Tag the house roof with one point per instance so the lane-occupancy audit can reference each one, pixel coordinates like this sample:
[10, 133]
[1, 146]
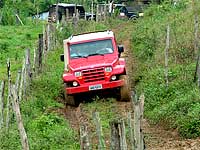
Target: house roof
[66, 5]
[90, 36]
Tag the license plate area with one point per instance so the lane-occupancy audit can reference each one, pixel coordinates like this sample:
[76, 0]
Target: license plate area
[95, 87]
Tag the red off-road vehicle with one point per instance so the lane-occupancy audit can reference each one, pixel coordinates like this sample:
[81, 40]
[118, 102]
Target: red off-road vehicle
[92, 62]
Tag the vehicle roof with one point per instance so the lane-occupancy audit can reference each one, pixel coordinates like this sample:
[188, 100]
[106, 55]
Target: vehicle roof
[90, 36]
[66, 5]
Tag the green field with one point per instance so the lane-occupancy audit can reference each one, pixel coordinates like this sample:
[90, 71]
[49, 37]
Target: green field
[14, 40]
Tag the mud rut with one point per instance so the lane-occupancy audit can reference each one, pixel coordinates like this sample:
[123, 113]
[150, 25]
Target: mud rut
[156, 137]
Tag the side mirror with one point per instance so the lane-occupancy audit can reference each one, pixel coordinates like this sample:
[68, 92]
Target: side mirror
[120, 48]
[62, 57]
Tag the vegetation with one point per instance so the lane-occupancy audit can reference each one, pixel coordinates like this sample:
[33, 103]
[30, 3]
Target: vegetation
[14, 41]
[177, 105]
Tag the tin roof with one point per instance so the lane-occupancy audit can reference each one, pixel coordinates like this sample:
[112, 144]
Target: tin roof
[66, 5]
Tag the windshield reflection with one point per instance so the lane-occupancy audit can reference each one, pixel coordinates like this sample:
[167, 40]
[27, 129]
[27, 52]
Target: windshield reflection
[93, 48]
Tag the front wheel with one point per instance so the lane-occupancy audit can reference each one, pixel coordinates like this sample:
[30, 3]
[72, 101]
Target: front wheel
[69, 99]
[124, 91]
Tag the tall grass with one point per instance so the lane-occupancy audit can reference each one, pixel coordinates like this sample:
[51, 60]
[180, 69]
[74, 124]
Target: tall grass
[177, 105]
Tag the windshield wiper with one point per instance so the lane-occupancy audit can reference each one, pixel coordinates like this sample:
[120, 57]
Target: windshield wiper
[95, 54]
[79, 56]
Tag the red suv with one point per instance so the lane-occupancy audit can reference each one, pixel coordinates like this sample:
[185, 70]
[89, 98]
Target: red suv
[92, 62]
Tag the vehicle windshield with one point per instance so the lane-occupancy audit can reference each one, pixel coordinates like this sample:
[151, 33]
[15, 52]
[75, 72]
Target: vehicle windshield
[82, 50]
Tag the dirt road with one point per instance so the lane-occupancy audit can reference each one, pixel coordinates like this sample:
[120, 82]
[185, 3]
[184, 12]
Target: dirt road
[156, 137]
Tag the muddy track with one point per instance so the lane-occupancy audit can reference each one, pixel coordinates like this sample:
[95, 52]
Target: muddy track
[156, 137]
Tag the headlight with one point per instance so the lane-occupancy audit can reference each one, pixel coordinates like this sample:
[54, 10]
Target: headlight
[75, 83]
[78, 74]
[113, 78]
[108, 69]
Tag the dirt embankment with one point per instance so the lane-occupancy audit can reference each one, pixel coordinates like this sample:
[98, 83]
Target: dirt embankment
[156, 137]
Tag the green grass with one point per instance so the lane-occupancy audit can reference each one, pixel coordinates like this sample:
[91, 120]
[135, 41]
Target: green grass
[46, 129]
[175, 106]
[14, 40]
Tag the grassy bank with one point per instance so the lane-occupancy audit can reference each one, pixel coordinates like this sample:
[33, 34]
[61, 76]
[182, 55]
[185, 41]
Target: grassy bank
[14, 41]
[178, 105]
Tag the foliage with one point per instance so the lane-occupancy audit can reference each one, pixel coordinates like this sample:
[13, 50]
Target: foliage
[175, 106]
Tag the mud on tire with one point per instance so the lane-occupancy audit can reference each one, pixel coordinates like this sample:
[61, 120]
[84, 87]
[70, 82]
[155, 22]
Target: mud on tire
[69, 99]
[124, 91]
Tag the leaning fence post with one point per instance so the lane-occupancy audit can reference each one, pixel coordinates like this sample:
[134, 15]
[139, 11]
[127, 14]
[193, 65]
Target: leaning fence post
[101, 145]
[16, 108]
[85, 145]
[2, 103]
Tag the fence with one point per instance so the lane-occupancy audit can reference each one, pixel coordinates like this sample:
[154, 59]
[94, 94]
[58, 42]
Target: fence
[17, 92]
[118, 139]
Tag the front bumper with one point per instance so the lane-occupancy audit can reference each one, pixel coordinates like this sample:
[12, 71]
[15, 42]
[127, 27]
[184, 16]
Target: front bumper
[85, 88]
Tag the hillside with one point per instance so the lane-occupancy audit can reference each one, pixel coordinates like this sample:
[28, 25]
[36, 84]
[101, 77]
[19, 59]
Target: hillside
[177, 105]
[14, 41]
[172, 113]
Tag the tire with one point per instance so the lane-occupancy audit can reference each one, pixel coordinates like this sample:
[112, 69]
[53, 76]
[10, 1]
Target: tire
[124, 91]
[69, 99]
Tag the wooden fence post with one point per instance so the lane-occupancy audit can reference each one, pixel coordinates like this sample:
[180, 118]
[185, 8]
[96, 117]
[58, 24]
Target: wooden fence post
[9, 96]
[44, 42]
[92, 17]
[48, 37]
[166, 56]
[97, 13]
[21, 88]
[85, 145]
[130, 127]
[28, 68]
[196, 20]
[115, 141]
[40, 52]
[101, 145]
[17, 83]
[2, 103]
[23, 136]
[105, 11]
[74, 21]
[138, 106]
[122, 132]
[118, 135]
[141, 104]
[67, 15]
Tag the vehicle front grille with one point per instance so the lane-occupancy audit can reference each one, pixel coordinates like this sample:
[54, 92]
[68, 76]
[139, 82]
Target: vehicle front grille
[92, 75]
